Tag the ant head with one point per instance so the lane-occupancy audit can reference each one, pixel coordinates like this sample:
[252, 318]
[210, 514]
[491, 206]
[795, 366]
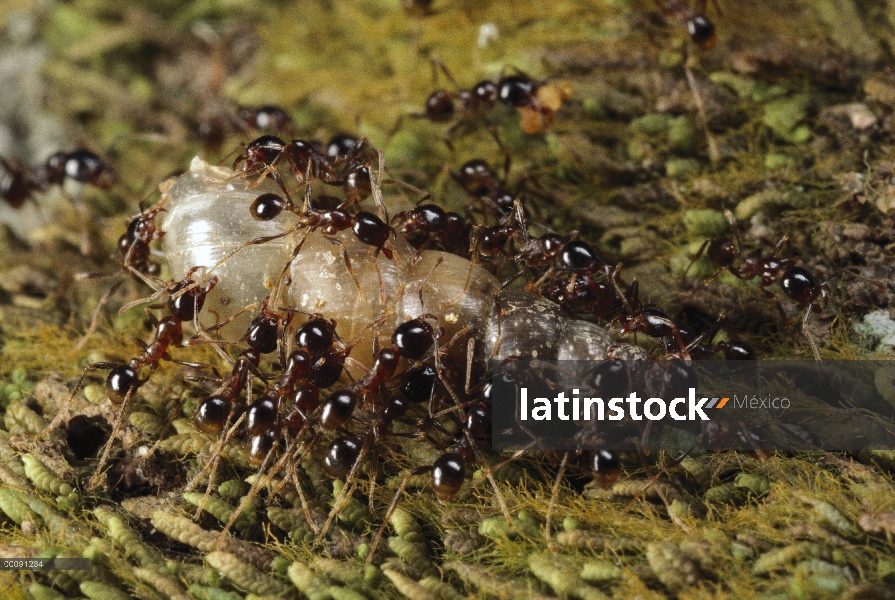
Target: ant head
[171, 328]
[260, 151]
[736, 350]
[476, 176]
[266, 118]
[723, 252]
[485, 92]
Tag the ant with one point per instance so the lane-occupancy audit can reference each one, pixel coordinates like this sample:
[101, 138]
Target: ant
[21, 182]
[133, 249]
[450, 229]
[123, 380]
[351, 171]
[797, 283]
[479, 181]
[246, 120]
[700, 29]
[700, 346]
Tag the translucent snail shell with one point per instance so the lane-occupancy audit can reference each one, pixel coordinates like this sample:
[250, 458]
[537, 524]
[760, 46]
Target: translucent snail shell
[207, 219]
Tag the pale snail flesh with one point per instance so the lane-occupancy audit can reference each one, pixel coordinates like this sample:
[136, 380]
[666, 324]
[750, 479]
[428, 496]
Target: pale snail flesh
[207, 218]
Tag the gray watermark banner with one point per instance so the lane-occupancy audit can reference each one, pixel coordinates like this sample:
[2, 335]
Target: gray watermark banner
[712, 405]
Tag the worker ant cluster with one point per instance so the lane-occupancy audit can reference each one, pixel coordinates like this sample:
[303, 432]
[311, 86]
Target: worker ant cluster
[294, 392]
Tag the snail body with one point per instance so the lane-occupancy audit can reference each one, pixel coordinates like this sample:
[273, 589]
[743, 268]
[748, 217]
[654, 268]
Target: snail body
[207, 225]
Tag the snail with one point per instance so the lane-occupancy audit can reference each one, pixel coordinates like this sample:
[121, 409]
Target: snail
[208, 224]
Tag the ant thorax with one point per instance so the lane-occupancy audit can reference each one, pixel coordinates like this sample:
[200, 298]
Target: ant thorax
[208, 225]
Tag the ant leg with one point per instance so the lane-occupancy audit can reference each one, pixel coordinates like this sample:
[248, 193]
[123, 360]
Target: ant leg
[227, 432]
[348, 264]
[94, 320]
[393, 506]
[556, 485]
[344, 495]
[714, 153]
[792, 333]
[116, 429]
[696, 257]
[807, 333]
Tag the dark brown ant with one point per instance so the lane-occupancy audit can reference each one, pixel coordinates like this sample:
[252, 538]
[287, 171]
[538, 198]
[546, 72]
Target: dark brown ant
[797, 283]
[133, 249]
[80, 165]
[700, 29]
[352, 171]
[264, 118]
[124, 379]
[655, 324]
[450, 229]
[214, 411]
[417, 8]
[21, 182]
[269, 118]
[700, 346]
[480, 182]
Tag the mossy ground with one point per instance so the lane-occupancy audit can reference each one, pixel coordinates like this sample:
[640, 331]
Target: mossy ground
[798, 99]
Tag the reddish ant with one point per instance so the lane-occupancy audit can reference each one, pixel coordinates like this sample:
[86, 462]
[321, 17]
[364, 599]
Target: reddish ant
[124, 379]
[448, 228]
[246, 120]
[797, 283]
[307, 163]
